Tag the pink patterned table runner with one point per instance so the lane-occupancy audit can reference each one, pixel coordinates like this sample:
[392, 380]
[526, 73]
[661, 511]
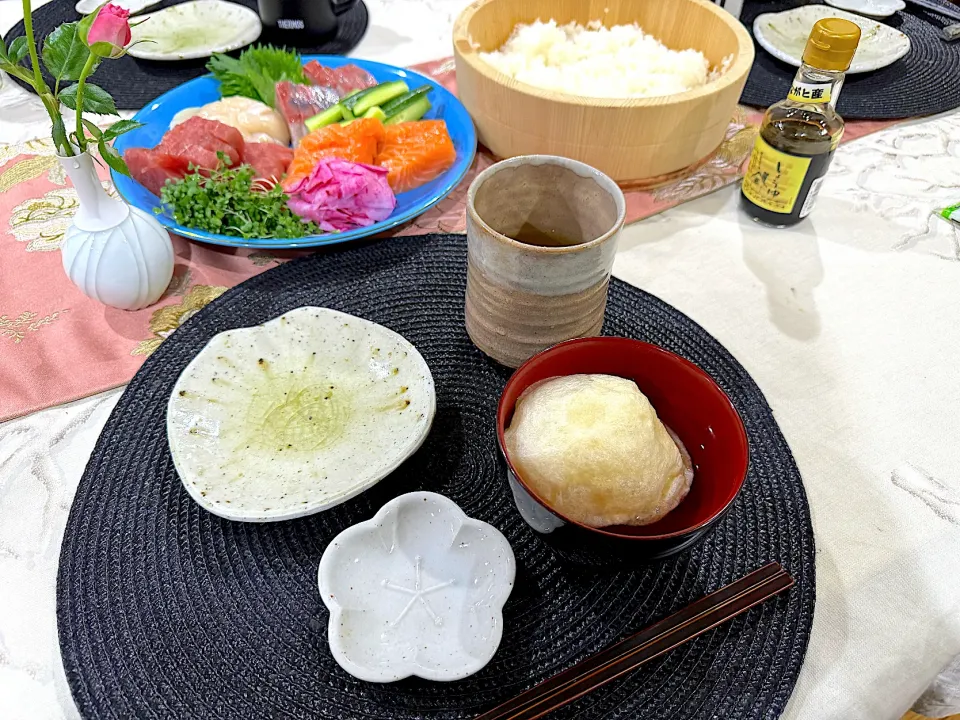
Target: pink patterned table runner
[56, 345]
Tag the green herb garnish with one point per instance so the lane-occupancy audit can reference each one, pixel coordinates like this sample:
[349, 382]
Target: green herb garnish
[257, 71]
[226, 203]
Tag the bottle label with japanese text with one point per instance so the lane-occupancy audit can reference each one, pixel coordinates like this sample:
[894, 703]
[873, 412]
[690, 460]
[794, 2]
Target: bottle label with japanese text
[774, 179]
[816, 93]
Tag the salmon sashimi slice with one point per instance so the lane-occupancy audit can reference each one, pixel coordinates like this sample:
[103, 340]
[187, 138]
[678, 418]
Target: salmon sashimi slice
[415, 153]
[359, 142]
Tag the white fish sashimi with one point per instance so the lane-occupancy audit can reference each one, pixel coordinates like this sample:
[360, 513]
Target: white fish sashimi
[192, 30]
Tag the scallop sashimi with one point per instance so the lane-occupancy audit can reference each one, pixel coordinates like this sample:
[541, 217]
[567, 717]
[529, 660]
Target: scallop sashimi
[415, 153]
[358, 142]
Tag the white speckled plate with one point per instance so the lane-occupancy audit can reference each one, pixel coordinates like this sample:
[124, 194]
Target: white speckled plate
[784, 35]
[417, 590]
[85, 7]
[297, 415]
[193, 30]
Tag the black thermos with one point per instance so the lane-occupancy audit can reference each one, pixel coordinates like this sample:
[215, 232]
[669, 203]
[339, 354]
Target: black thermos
[291, 22]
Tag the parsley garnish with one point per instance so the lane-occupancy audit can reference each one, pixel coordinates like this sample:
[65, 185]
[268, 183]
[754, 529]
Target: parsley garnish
[227, 203]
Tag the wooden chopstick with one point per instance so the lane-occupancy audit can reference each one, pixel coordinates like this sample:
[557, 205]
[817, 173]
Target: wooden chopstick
[651, 642]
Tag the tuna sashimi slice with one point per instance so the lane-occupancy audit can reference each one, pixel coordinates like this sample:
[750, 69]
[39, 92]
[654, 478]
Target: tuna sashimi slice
[152, 168]
[415, 153]
[198, 127]
[269, 160]
[199, 140]
[198, 156]
[194, 142]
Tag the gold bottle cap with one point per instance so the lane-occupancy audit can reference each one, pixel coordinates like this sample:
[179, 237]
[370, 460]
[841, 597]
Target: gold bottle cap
[831, 44]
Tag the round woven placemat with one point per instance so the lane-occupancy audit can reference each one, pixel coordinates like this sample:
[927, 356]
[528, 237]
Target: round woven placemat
[923, 82]
[133, 83]
[167, 611]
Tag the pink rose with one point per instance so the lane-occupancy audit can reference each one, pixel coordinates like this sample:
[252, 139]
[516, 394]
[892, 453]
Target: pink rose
[110, 31]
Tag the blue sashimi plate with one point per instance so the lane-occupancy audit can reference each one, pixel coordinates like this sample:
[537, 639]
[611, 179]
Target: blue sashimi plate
[157, 115]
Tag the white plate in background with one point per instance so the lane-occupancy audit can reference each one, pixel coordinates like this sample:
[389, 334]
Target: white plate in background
[192, 30]
[85, 7]
[870, 8]
[784, 35]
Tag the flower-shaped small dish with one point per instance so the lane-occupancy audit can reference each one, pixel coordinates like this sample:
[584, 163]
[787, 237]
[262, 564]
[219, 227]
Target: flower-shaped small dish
[297, 415]
[417, 590]
[784, 35]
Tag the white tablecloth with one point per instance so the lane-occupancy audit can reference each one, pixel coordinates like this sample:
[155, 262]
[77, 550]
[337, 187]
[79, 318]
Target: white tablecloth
[850, 323]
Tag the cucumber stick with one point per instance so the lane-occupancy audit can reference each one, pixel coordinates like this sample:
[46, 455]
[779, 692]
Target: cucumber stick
[375, 112]
[384, 102]
[403, 100]
[327, 117]
[414, 110]
[376, 96]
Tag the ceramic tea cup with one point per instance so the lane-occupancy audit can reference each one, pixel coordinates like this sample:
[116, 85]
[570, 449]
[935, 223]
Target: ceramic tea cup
[542, 232]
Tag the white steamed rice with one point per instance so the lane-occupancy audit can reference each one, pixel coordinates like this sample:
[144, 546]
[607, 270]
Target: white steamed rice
[595, 61]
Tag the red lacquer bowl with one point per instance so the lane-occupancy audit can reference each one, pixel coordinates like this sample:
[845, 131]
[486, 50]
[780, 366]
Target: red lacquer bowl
[688, 402]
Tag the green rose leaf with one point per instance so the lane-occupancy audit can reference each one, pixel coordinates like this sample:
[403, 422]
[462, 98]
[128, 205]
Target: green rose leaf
[64, 53]
[119, 128]
[59, 133]
[95, 99]
[92, 128]
[11, 65]
[18, 50]
[112, 158]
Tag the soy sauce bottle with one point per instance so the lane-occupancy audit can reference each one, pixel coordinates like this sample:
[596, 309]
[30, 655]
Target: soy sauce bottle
[799, 135]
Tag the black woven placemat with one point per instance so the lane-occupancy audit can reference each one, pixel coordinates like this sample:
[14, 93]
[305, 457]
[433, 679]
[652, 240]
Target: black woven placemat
[166, 611]
[923, 82]
[133, 83]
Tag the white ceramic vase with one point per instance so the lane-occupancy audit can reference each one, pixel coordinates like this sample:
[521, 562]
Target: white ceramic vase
[116, 254]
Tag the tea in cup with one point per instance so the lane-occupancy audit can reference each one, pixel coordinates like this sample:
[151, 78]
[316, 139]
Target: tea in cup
[542, 233]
